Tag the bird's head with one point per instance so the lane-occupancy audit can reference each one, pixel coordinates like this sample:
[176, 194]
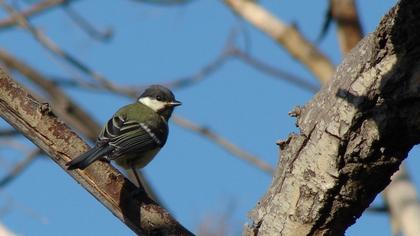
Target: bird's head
[160, 99]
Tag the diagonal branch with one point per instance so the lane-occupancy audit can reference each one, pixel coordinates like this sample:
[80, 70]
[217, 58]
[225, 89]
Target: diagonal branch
[36, 9]
[104, 182]
[224, 143]
[63, 105]
[86, 26]
[349, 29]
[287, 36]
[19, 168]
[51, 46]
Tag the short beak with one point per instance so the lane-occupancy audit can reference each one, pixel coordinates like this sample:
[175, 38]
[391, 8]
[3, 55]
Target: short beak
[175, 103]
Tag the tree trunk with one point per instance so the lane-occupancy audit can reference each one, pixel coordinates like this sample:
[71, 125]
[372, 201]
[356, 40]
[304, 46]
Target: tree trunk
[354, 135]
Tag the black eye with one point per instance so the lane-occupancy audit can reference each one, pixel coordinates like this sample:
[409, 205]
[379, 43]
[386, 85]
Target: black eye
[159, 98]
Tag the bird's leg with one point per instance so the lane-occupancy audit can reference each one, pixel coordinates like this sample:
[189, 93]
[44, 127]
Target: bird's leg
[136, 175]
[139, 191]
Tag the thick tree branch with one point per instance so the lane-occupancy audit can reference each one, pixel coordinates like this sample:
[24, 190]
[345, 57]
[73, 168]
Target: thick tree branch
[104, 182]
[287, 36]
[403, 218]
[354, 135]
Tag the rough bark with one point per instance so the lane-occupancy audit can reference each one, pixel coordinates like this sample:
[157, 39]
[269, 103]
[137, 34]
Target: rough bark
[105, 183]
[353, 135]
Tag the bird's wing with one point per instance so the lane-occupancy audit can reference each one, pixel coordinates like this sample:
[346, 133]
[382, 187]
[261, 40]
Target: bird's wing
[111, 129]
[129, 136]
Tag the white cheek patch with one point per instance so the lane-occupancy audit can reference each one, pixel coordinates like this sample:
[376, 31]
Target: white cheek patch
[152, 103]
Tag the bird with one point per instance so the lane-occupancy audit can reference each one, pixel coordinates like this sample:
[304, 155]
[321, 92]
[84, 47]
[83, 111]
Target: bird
[134, 134]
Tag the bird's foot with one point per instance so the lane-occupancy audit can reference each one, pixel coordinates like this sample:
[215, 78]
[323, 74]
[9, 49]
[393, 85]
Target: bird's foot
[138, 192]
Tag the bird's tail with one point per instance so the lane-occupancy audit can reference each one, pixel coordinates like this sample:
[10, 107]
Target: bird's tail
[87, 158]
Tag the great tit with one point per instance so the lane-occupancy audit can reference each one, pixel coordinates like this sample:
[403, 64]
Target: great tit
[135, 134]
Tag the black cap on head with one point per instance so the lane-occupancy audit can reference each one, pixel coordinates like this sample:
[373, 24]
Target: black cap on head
[159, 93]
[162, 94]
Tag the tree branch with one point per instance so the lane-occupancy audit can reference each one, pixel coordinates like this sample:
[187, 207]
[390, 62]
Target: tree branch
[224, 143]
[62, 104]
[402, 199]
[402, 218]
[104, 182]
[287, 36]
[19, 168]
[349, 29]
[36, 9]
[351, 135]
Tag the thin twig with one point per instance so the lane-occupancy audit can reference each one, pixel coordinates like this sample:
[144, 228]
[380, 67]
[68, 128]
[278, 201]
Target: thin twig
[8, 132]
[47, 43]
[275, 72]
[86, 26]
[19, 168]
[224, 143]
[36, 9]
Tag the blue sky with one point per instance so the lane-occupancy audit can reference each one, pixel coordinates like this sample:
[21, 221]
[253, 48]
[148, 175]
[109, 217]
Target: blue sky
[196, 179]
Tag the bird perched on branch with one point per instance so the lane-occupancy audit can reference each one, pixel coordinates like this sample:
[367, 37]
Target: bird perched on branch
[135, 134]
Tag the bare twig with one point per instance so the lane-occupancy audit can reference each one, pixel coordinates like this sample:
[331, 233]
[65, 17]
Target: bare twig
[137, 211]
[86, 26]
[275, 72]
[288, 36]
[19, 168]
[8, 132]
[224, 143]
[62, 104]
[36, 9]
[47, 43]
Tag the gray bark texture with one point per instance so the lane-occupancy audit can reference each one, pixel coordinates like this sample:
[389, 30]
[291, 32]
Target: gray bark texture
[353, 136]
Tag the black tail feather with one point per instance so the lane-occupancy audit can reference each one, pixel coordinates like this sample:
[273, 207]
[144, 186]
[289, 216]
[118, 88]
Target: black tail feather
[87, 158]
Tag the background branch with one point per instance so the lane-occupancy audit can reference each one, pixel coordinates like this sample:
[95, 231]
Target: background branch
[223, 143]
[349, 29]
[287, 36]
[19, 168]
[36, 9]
